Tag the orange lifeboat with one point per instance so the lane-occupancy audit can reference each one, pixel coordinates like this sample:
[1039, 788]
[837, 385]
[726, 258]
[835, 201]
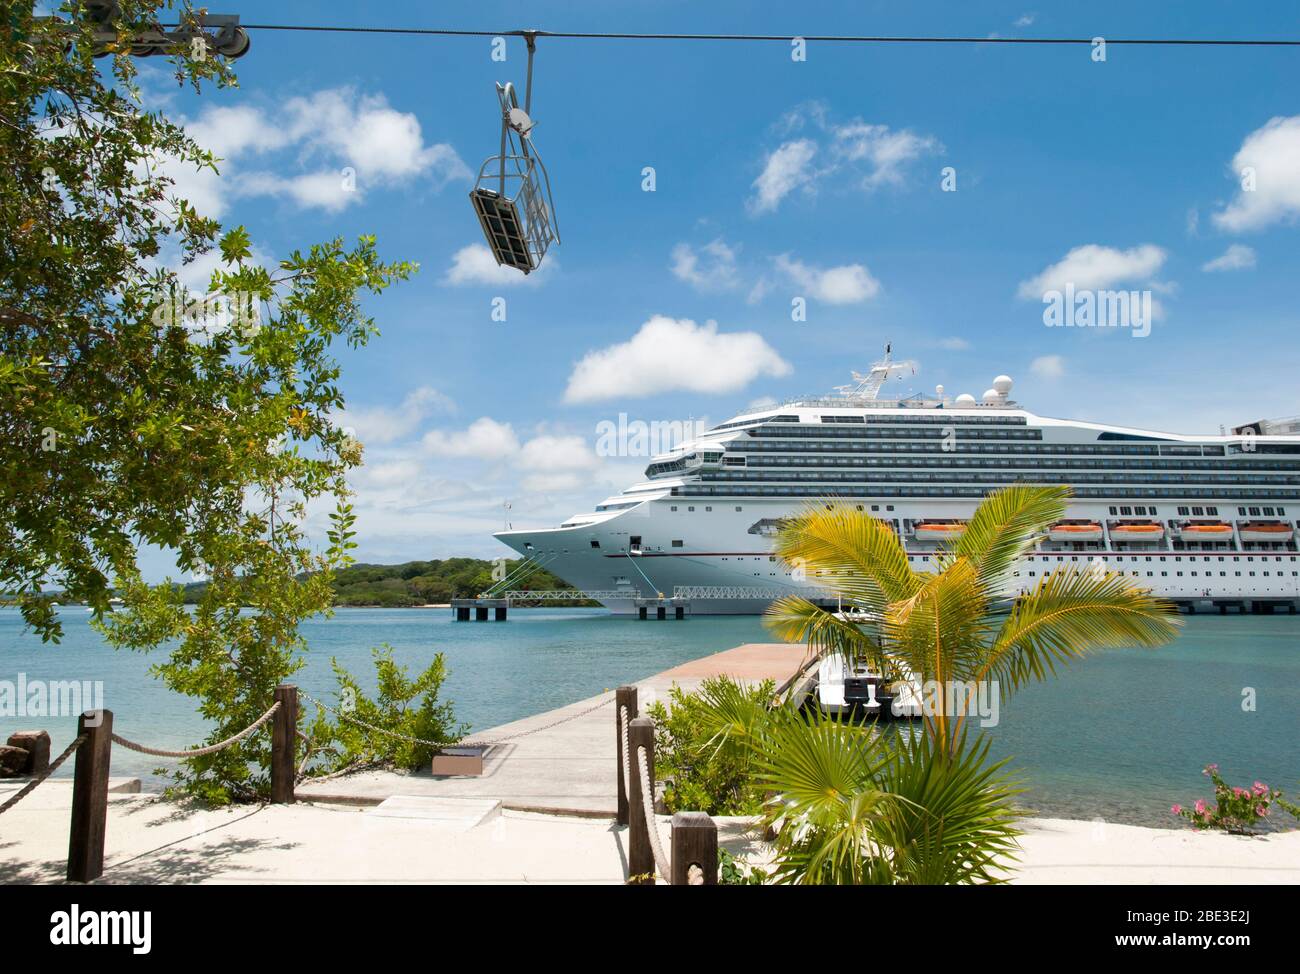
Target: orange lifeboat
[1075, 530]
[1139, 531]
[1206, 531]
[939, 530]
[1266, 531]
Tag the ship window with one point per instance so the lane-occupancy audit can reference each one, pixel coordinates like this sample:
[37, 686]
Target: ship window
[1198, 511]
[673, 508]
[690, 509]
[1241, 511]
[595, 543]
[708, 508]
[1114, 510]
[634, 541]
[1126, 510]
[1182, 510]
[1268, 512]
[738, 508]
[1254, 512]
[677, 543]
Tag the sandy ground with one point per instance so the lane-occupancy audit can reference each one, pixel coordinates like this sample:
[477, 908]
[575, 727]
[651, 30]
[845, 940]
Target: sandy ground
[151, 840]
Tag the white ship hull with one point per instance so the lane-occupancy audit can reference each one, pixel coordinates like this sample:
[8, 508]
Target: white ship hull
[701, 527]
[718, 552]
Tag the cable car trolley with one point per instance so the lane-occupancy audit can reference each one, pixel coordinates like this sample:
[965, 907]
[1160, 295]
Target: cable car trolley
[512, 195]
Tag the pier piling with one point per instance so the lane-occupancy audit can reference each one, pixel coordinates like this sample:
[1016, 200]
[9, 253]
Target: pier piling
[624, 697]
[90, 797]
[695, 850]
[284, 738]
[640, 855]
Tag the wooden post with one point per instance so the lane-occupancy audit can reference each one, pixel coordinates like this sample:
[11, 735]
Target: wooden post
[695, 843]
[90, 797]
[640, 855]
[624, 696]
[284, 740]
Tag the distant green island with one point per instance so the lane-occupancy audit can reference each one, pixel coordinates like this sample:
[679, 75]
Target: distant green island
[418, 583]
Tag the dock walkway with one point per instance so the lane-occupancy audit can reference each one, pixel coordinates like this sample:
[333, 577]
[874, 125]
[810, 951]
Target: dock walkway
[561, 761]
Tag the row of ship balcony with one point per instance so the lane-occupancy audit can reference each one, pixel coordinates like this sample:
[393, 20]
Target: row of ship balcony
[1138, 533]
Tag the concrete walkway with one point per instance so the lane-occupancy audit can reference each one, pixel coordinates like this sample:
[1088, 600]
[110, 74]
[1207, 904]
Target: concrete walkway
[151, 840]
[566, 761]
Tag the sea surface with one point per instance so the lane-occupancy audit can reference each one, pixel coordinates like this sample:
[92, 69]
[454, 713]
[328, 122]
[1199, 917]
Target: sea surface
[1119, 736]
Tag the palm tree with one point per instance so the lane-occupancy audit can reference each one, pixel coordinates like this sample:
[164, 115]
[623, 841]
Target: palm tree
[955, 626]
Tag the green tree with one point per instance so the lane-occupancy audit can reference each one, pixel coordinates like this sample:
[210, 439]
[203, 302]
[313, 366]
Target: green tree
[206, 434]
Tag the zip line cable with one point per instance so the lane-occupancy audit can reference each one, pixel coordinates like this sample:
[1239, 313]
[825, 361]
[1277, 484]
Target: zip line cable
[786, 38]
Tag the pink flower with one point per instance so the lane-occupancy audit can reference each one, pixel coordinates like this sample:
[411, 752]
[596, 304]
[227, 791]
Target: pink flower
[1210, 769]
[1200, 806]
[1261, 811]
[1261, 788]
[1177, 809]
[1239, 792]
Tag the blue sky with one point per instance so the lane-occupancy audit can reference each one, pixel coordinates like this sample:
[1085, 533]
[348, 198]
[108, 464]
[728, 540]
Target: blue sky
[775, 179]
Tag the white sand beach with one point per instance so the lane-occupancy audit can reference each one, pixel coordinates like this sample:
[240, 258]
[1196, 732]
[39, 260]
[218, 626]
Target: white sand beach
[152, 840]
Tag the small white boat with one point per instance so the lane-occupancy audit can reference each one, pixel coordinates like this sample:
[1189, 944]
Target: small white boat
[1266, 531]
[939, 530]
[844, 686]
[1202, 531]
[1139, 531]
[1075, 530]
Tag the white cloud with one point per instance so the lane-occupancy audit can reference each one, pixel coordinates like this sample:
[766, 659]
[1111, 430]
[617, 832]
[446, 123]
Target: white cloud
[1273, 153]
[786, 169]
[1048, 366]
[326, 132]
[872, 155]
[848, 284]
[669, 354]
[1092, 267]
[1025, 20]
[380, 424]
[483, 439]
[712, 267]
[474, 264]
[1237, 257]
[886, 152]
[954, 344]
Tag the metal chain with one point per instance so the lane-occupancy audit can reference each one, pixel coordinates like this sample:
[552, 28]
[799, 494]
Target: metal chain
[648, 809]
[198, 751]
[627, 767]
[440, 744]
[54, 766]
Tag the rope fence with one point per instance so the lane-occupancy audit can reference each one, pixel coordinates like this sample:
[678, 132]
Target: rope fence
[691, 856]
[37, 781]
[198, 752]
[93, 748]
[352, 719]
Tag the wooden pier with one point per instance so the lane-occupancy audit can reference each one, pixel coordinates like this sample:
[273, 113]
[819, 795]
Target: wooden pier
[564, 766]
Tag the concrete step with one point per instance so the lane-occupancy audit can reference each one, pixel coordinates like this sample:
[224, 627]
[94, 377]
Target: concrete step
[450, 814]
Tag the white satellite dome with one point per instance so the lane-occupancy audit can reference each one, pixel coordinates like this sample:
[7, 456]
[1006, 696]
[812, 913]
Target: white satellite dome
[965, 399]
[1002, 384]
[992, 395]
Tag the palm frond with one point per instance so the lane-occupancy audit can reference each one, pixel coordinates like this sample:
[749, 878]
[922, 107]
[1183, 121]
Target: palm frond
[847, 552]
[956, 822]
[1069, 614]
[797, 620]
[1007, 525]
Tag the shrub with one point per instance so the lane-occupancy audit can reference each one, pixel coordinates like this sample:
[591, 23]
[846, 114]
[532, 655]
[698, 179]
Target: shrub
[1236, 810]
[703, 751]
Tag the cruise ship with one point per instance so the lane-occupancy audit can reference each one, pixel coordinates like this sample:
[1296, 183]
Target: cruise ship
[1207, 521]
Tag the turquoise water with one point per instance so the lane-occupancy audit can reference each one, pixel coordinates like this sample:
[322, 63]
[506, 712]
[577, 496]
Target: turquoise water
[1119, 736]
